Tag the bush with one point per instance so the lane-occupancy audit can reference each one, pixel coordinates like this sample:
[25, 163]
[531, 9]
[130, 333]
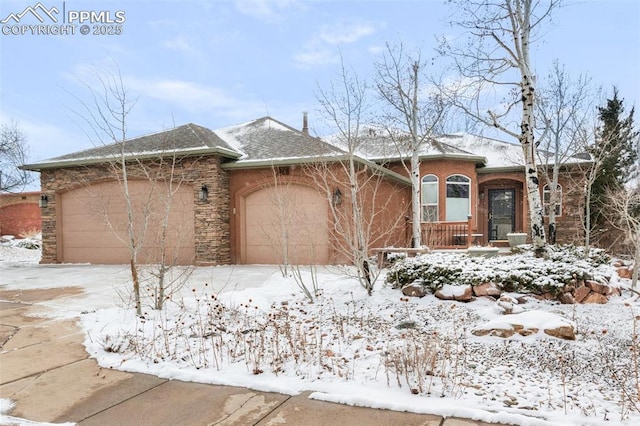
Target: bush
[519, 272]
[30, 244]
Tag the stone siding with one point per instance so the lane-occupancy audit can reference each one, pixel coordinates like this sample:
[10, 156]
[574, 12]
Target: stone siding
[212, 230]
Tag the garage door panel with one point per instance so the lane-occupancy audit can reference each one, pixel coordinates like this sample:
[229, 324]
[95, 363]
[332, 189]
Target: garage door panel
[94, 217]
[286, 221]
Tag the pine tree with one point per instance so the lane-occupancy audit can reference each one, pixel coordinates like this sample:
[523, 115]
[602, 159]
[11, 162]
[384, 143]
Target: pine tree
[618, 142]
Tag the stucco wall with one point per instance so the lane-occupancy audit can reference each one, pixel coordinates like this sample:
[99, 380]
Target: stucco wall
[389, 200]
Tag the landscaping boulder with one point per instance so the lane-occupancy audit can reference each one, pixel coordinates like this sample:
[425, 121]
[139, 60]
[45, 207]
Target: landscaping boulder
[487, 289]
[526, 324]
[594, 297]
[567, 298]
[597, 287]
[508, 305]
[461, 293]
[415, 289]
[625, 272]
[581, 293]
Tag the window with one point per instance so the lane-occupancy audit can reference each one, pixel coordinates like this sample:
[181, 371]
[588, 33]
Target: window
[430, 198]
[546, 200]
[458, 198]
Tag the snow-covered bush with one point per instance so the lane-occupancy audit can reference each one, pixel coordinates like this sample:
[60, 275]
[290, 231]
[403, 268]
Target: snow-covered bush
[521, 272]
[30, 244]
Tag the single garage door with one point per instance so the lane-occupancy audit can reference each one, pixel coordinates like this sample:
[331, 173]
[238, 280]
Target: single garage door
[94, 223]
[285, 222]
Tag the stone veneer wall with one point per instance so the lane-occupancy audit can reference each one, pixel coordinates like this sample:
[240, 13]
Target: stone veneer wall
[212, 230]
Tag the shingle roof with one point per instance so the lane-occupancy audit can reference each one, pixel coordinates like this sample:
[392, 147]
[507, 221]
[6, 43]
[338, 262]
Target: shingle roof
[269, 139]
[185, 139]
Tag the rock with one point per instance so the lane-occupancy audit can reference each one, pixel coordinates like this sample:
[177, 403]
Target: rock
[461, 293]
[624, 272]
[496, 332]
[597, 287]
[565, 332]
[594, 297]
[581, 293]
[567, 299]
[487, 289]
[508, 305]
[614, 291]
[415, 289]
[527, 324]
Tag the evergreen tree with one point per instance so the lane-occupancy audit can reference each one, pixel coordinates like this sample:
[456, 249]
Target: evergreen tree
[618, 143]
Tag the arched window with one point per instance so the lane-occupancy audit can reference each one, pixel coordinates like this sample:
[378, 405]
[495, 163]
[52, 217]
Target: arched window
[458, 198]
[430, 198]
[546, 200]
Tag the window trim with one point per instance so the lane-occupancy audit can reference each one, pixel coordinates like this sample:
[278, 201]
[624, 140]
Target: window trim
[468, 183]
[435, 183]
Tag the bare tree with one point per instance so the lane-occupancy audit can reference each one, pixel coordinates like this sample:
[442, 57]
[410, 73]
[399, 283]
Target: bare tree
[13, 154]
[564, 108]
[625, 204]
[498, 57]
[353, 186]
[412, 109]
[106, 114]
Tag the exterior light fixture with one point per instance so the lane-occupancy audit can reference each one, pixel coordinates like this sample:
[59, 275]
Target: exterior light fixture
[203, 194]
[44, 201]
[336, 198]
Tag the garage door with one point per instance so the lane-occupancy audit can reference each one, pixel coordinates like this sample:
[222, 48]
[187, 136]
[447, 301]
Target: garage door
[285, 222]
[94, 223]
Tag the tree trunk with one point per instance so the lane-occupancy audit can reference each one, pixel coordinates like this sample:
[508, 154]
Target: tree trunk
[416, 237]
[531, 172]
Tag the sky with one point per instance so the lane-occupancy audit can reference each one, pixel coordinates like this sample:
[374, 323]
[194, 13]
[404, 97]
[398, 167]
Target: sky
[221, 63]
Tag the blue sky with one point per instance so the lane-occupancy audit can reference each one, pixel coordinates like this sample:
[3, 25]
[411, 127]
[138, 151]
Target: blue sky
[220, 63]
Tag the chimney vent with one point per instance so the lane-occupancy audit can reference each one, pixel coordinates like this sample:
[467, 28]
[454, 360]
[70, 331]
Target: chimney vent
[305, 123]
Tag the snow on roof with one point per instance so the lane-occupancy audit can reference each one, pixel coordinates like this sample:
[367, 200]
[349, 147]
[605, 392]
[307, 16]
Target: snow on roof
[269, 139]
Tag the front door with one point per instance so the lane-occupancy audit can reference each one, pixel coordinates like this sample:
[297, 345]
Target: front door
[502, 213]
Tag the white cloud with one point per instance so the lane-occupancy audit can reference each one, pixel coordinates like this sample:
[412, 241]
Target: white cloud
[179, 43]
[197, 99]
[321, 48]
[264, 10]
[312, 57]
[345, 33]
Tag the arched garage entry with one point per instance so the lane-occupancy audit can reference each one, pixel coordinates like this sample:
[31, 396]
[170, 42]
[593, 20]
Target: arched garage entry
[93, 223]
[285, 221]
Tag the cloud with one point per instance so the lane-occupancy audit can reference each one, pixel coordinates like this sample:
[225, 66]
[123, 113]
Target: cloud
[321, 48]
[265, 10]
[196, 99]
[179, 43]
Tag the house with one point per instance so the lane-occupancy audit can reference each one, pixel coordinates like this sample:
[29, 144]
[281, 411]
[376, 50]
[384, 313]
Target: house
[263, 191]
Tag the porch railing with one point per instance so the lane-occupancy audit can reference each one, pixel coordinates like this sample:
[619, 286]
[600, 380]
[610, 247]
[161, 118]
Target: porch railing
[448, 235]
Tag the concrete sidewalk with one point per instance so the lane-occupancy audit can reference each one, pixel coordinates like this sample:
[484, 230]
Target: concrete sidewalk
[45, 370]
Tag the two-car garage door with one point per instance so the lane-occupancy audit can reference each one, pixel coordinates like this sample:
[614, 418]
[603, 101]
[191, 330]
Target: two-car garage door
[94, 223]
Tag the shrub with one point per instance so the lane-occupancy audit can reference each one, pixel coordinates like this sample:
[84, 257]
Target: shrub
[30, 244]
[519, 272]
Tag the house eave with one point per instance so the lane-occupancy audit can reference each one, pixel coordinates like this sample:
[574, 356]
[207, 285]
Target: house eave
[447, 156]
[36, 167]
[265, 163]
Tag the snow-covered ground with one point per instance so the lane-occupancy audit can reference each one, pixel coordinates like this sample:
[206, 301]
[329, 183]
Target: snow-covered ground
[249, 326]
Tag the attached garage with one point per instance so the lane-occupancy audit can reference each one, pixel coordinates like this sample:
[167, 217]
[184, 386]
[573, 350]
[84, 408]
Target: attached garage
[94, 222]
[285, 222]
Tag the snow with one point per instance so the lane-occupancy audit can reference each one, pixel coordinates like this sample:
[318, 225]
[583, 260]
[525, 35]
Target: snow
[250, 326]
[537, 319]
